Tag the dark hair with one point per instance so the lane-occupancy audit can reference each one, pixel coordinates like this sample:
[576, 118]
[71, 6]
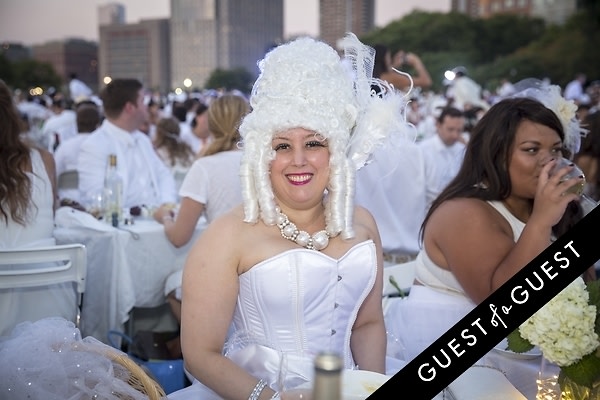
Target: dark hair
[117, 94]
[15, 185]
[179, 112]
[379, 65]
[590, 146]
[451, 112]
[201, 109]
[484, 170]
[88, 118]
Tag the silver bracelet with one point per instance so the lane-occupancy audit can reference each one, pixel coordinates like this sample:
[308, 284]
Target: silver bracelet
[257, 390]
[276, 396]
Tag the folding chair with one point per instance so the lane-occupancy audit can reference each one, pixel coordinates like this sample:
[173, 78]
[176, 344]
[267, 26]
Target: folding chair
[68, 180]
[44, 266]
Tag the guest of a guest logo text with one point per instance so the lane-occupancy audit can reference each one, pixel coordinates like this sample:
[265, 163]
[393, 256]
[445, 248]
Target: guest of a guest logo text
[520, 294]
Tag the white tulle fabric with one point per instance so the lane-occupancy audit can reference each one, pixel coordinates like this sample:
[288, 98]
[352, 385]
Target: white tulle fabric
[49, 360]
[305, 84]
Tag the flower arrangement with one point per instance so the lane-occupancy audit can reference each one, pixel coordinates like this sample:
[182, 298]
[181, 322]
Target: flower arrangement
[567, 331]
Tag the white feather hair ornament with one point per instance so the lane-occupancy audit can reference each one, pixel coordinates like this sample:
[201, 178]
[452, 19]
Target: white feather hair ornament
[382, 112]
[551, 97]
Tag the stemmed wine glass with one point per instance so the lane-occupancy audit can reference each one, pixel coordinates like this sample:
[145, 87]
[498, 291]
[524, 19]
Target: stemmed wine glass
[587, 203]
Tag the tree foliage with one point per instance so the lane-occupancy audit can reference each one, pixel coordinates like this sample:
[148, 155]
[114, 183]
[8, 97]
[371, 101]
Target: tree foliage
[237, 78]
[28, 73]
[503, 46]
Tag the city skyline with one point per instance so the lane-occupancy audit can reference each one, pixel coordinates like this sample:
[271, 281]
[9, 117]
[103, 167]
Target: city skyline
[32, 22]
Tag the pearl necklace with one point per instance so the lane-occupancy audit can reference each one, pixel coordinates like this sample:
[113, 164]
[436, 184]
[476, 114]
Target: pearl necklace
[289, 231]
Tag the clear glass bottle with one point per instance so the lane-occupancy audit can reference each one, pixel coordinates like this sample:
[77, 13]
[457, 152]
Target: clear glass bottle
[328, 377]
[113, 193]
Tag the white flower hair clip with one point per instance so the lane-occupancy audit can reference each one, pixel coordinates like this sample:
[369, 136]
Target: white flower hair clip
[551, 97]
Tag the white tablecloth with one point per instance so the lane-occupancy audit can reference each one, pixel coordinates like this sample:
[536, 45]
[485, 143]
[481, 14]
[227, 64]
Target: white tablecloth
[127, 267]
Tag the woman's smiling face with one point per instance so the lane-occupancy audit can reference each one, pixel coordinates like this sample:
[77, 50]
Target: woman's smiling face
[300, 170]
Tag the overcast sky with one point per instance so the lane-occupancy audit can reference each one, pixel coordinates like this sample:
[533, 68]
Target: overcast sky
[37, 21]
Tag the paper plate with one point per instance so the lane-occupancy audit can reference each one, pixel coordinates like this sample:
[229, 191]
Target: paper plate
[358, 384]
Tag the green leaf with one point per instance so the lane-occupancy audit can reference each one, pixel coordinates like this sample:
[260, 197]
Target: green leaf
[396, 286]
[584, 372]
[517, 343]
[593, 288]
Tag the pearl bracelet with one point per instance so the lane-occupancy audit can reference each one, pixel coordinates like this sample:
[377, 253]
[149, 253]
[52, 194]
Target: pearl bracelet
[257, 390]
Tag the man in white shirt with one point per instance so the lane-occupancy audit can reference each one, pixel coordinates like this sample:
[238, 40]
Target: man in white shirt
[392, 188]
[61, 125]
[443, 153]
[146, 179]
[67, 153]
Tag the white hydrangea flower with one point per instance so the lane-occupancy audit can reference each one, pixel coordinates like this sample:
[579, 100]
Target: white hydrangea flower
[564, 328]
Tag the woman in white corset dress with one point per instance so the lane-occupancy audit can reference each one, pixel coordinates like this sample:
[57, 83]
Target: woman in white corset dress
[297, 268]
[502, 210]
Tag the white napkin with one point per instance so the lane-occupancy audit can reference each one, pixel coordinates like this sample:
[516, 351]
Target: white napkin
[483, 383]
[68, 217]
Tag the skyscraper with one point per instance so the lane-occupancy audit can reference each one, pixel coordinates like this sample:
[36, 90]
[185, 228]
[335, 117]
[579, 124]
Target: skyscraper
[139, 51]
[337, 17]
[111, 13]
[225, 34]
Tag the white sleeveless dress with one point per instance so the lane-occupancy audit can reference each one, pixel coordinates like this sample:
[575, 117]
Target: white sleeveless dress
[437, 304]
[289, 308]
[37, 232]
[430, 309]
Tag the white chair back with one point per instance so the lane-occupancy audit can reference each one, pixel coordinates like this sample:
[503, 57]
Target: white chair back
[43, 266]
[68, 180]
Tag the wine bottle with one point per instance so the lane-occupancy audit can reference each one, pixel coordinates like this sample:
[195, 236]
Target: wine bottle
[328, 377]
[113, 192]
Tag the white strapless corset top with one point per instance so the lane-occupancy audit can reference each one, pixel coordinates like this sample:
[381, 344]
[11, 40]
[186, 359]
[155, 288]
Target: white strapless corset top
[302, 302]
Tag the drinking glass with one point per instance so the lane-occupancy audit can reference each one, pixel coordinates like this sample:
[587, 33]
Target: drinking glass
[547, 382]
[94, 204]
[587, 203]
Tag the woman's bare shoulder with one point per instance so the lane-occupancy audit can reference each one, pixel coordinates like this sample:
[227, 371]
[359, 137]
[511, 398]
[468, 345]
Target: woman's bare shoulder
[363, 216]
[47, 157]
[231, 220]
[465, 212]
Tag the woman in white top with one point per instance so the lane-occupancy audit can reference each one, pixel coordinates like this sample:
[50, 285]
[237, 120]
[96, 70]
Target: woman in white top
[500, 211]
[212, 185]
[27, 203]
[171, 149]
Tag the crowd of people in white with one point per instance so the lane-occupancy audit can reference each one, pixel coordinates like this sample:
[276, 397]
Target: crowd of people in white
[180, 155]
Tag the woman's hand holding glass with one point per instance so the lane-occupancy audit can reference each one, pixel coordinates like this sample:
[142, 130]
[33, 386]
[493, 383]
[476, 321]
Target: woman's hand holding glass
[568, 172]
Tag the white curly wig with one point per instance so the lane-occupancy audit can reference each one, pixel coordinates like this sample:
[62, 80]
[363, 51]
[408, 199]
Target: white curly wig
[305, 84]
